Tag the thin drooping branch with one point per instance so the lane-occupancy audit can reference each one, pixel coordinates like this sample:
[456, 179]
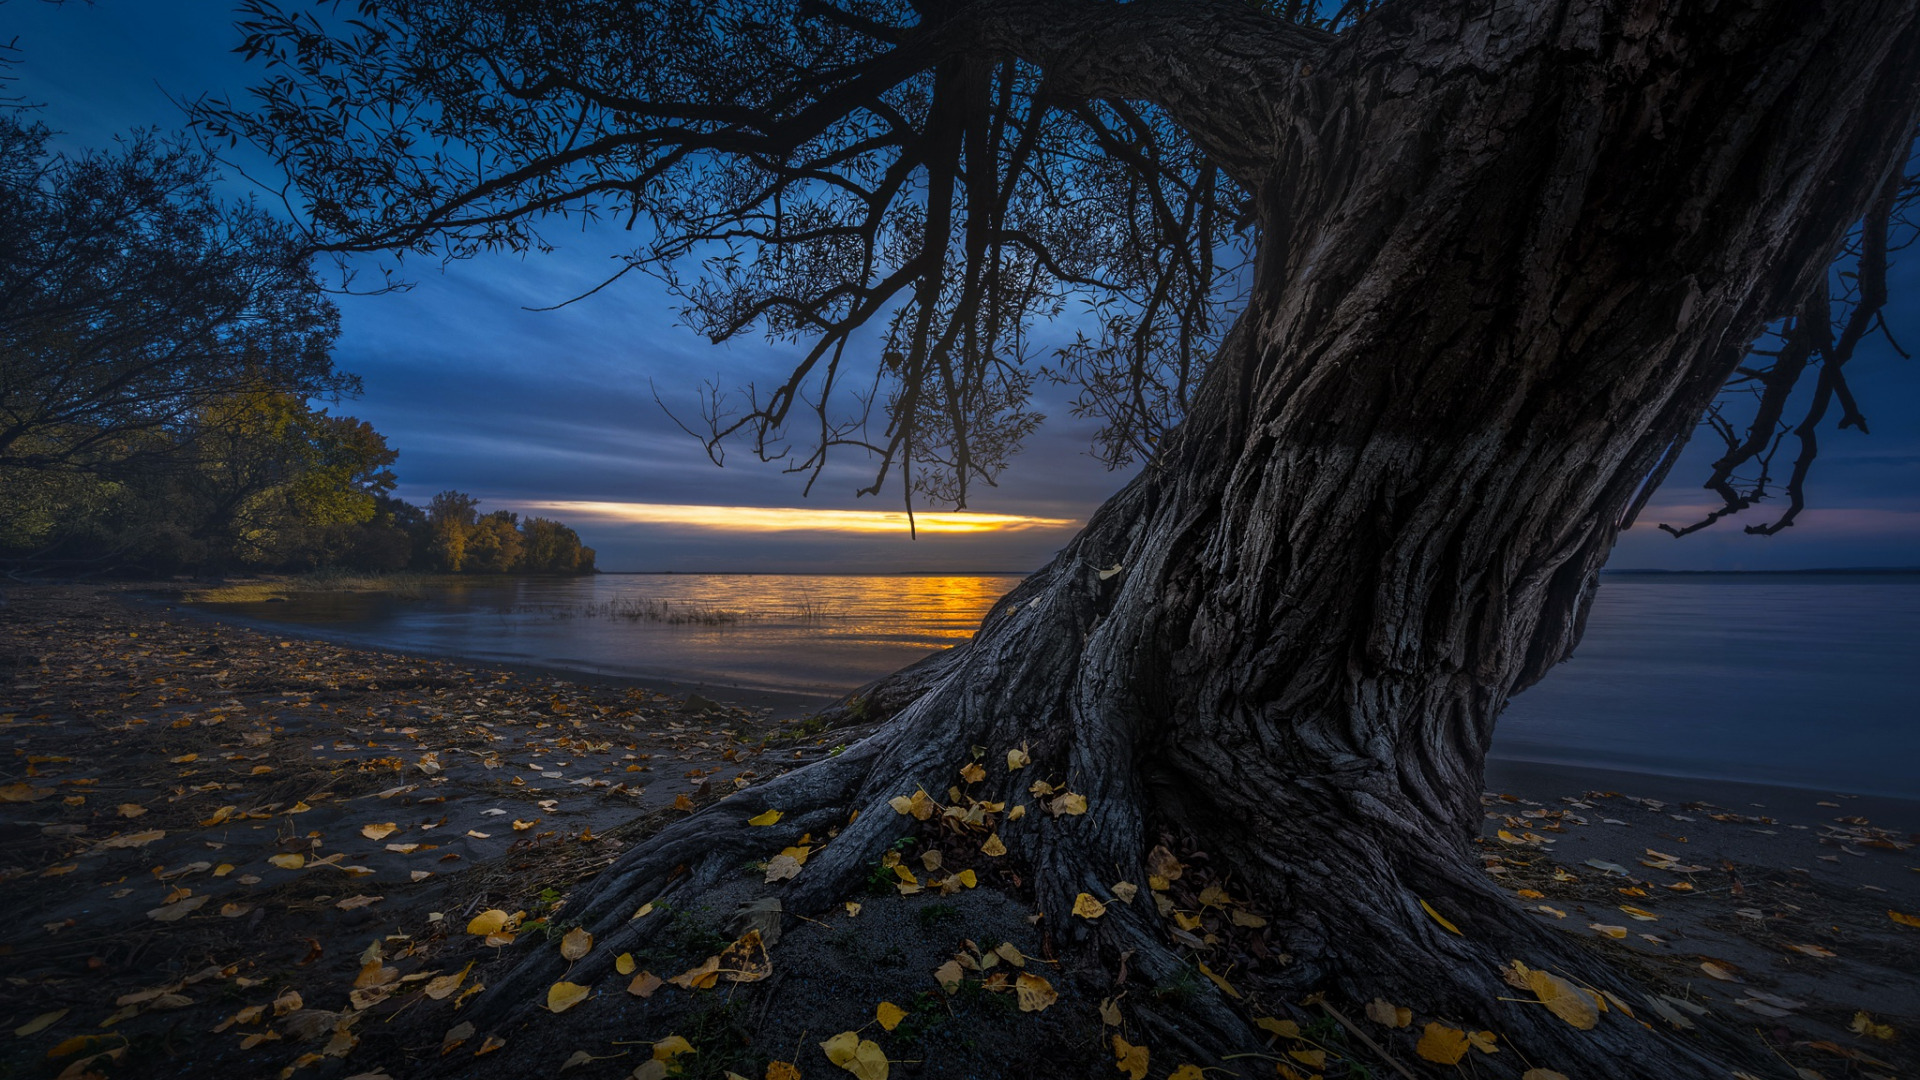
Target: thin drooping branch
[1807, 360]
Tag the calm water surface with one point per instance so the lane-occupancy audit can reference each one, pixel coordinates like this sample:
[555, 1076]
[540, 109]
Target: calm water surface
[810, 634]
[1809, 680]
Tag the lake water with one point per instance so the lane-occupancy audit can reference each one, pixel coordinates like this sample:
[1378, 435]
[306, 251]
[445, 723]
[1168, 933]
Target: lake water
[1809, 680]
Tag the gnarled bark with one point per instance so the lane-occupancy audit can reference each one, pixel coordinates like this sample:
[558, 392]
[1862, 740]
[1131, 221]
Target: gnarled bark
[1509, 253]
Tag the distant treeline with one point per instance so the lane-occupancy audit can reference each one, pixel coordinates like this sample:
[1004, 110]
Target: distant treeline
[161, 352]
[261, 481]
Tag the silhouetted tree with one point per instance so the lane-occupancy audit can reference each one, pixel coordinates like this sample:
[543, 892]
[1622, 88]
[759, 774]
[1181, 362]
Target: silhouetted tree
[132, 299]
[1500, 260]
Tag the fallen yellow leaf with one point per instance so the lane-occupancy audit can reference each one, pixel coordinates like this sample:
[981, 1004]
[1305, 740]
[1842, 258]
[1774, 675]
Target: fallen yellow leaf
[1439, 918]
[1381, 1011]
[889, 1015]
[1034, 992]
[1903, 919]
[972, 773]
[746, 959]
[644, 984]
[1864, 1025]
[1542, 1074]
[288, 862]
[442, 987]
[623, 963]
[919, 805]
[993, 846]
[576, 943]
[768, 818]
[1442, 1045]
[699, 978]
[40, 1023]
[1130, 1059]
[948, 975]
[1225, 986]
[1562, 998]
[1286, 1029]
[379, 831]
[490, 921]
[671, 1047]
[1087, 907]
[1018, 759]
[861, 1057]
[562, 996]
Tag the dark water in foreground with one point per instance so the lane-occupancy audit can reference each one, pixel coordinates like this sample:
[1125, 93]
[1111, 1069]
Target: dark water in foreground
[1809, 680]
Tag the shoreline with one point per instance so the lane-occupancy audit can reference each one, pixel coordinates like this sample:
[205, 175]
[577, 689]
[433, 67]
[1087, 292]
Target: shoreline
[1534, 774]
[1530, 774]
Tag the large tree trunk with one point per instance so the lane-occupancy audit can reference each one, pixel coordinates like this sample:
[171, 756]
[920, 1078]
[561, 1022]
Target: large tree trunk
[1507, 258]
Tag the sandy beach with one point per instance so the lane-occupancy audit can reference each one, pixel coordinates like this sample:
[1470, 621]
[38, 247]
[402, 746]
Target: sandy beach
[210, 831]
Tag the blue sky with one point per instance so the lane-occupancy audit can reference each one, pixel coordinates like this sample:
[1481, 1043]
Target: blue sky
[524, 408]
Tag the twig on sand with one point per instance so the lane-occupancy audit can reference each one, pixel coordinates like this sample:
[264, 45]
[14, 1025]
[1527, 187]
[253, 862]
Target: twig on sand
[1365, 1038]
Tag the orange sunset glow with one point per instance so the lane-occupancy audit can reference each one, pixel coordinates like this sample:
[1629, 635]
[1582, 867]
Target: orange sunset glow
[793, 518]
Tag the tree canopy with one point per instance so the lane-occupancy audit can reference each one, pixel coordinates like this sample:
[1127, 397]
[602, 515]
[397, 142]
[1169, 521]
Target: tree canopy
[133, 299]
[900, 190]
